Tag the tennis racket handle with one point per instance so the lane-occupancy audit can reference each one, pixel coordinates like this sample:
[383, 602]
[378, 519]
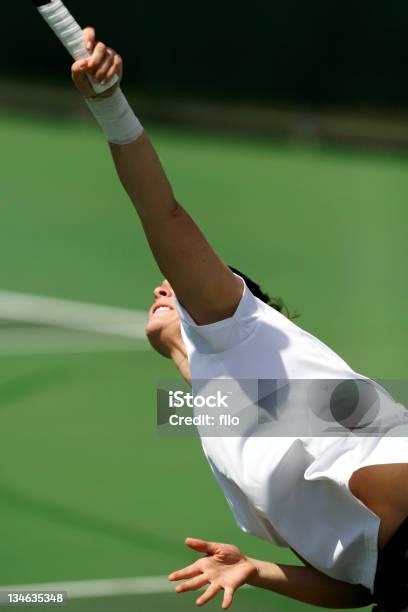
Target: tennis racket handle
[70, 34]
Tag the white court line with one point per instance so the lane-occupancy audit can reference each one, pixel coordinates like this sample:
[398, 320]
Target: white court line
[28, 351]
[73, 327]
[59, 341]
[148, 585]
[81, 589]
[72, 315]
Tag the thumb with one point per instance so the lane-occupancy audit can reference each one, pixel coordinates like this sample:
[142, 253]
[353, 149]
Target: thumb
[203, 546]
[80, 78]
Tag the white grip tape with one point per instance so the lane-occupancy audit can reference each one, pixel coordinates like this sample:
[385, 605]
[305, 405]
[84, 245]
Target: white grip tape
[70, 34]
[116, 118]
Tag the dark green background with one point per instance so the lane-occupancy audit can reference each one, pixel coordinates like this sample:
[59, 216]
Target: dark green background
[314, 53]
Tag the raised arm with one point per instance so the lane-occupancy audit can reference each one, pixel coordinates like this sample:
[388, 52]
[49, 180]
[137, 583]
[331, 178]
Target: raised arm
[203, 283]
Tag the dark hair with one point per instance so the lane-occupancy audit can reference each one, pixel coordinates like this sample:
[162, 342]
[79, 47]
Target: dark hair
[276, 303]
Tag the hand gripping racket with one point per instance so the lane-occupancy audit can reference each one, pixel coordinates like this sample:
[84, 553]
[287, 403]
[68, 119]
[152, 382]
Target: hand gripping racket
[70, 34]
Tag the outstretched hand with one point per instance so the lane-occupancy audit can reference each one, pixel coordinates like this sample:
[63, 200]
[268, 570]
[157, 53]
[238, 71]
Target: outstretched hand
[223, 568]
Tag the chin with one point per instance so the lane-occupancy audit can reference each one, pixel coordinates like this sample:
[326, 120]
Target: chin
[162, 331]
[157, 344]
[154, 336]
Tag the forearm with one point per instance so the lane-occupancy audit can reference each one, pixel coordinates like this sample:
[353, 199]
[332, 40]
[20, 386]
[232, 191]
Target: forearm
[308, 585]
[143, 177]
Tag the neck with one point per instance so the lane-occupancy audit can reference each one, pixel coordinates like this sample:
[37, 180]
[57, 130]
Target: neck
[179, 357]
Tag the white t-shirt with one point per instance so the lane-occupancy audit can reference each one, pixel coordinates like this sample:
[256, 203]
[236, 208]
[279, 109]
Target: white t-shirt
[292, 491]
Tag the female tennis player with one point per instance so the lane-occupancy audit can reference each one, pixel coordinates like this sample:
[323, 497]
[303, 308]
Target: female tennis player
[340, 503]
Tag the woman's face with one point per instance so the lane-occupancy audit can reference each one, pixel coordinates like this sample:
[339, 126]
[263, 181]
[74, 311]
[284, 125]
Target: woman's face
[163, 325]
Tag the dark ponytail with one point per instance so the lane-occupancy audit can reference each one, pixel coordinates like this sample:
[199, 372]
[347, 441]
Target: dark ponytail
[276, 303]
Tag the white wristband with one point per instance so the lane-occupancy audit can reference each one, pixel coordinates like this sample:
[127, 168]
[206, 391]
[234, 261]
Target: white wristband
[116, 118]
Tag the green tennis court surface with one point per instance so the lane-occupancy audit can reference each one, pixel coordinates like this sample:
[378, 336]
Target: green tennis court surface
[87, 489]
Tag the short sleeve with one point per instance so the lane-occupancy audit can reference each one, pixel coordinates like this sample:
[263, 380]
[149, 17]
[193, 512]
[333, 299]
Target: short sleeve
[226, 334]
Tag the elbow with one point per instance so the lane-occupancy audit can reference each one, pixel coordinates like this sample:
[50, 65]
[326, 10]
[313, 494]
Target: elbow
[360, 598]
[176, 209]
